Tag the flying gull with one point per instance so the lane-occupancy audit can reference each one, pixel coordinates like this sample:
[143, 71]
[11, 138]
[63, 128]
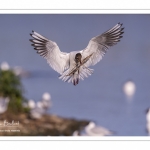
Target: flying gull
[74, 66]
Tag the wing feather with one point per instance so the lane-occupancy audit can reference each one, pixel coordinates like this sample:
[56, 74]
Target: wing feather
[48, 49]
[100, 44]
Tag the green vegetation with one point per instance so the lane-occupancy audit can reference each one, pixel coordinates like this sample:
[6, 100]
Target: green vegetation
[10, 86]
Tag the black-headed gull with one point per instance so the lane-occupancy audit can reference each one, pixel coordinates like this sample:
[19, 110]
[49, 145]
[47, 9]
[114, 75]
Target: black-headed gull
[92, 130]
[73, 66]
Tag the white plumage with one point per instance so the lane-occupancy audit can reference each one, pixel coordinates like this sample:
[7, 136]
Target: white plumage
[3, 104]
[36, 113]
[31, 104]
[64, 63]
[39, 108]
[46, 96]
[148, 121]
[46, 101]
[92, 130]
[4, 66]
[129, 89]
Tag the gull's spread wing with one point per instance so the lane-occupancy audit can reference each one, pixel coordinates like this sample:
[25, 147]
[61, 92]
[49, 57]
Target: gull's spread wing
[48, 49]
[99, 45]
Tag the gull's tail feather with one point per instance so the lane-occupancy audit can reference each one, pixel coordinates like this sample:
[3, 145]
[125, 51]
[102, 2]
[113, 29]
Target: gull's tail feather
[76, 76]
[85, 72]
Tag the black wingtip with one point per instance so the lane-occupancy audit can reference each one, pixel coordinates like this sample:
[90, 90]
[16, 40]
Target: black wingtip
[33, 31]
[122, 28]
[32, 45]
[121, 33]
[30, 34]
[120, 24]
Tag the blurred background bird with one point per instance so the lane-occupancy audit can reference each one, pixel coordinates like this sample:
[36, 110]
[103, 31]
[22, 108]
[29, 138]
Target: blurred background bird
[148, 121]
[46, 101]
[129, 89]
[93, 130]
[3, 104]
[39, 108]
[4, 66]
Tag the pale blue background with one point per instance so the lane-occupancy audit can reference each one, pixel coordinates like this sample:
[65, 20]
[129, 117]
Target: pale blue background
[100, 97]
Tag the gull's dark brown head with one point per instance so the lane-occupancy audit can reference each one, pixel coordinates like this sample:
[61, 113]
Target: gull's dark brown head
[78, 57]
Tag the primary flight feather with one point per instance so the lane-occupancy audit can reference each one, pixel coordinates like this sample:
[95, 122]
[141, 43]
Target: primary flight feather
[73, 66]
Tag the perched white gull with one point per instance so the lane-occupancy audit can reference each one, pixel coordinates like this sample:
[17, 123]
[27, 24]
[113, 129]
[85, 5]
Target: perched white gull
[92, 130]
[76, 133]
[73, 66]
[148, 121]
[4, 66]
[3, 104]
[38, 111]
[46, 101]
[31, 104]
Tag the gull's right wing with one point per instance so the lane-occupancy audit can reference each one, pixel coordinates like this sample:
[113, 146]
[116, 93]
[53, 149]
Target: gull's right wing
[48, 49]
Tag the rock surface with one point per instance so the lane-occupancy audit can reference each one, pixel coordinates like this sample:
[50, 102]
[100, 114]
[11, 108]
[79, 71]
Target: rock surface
[48, 125]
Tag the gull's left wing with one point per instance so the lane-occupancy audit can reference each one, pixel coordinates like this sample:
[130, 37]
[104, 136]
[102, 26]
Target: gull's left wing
[99, 45]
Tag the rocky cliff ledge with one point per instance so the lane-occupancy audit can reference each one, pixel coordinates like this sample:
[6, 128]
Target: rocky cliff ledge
[48, 125]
